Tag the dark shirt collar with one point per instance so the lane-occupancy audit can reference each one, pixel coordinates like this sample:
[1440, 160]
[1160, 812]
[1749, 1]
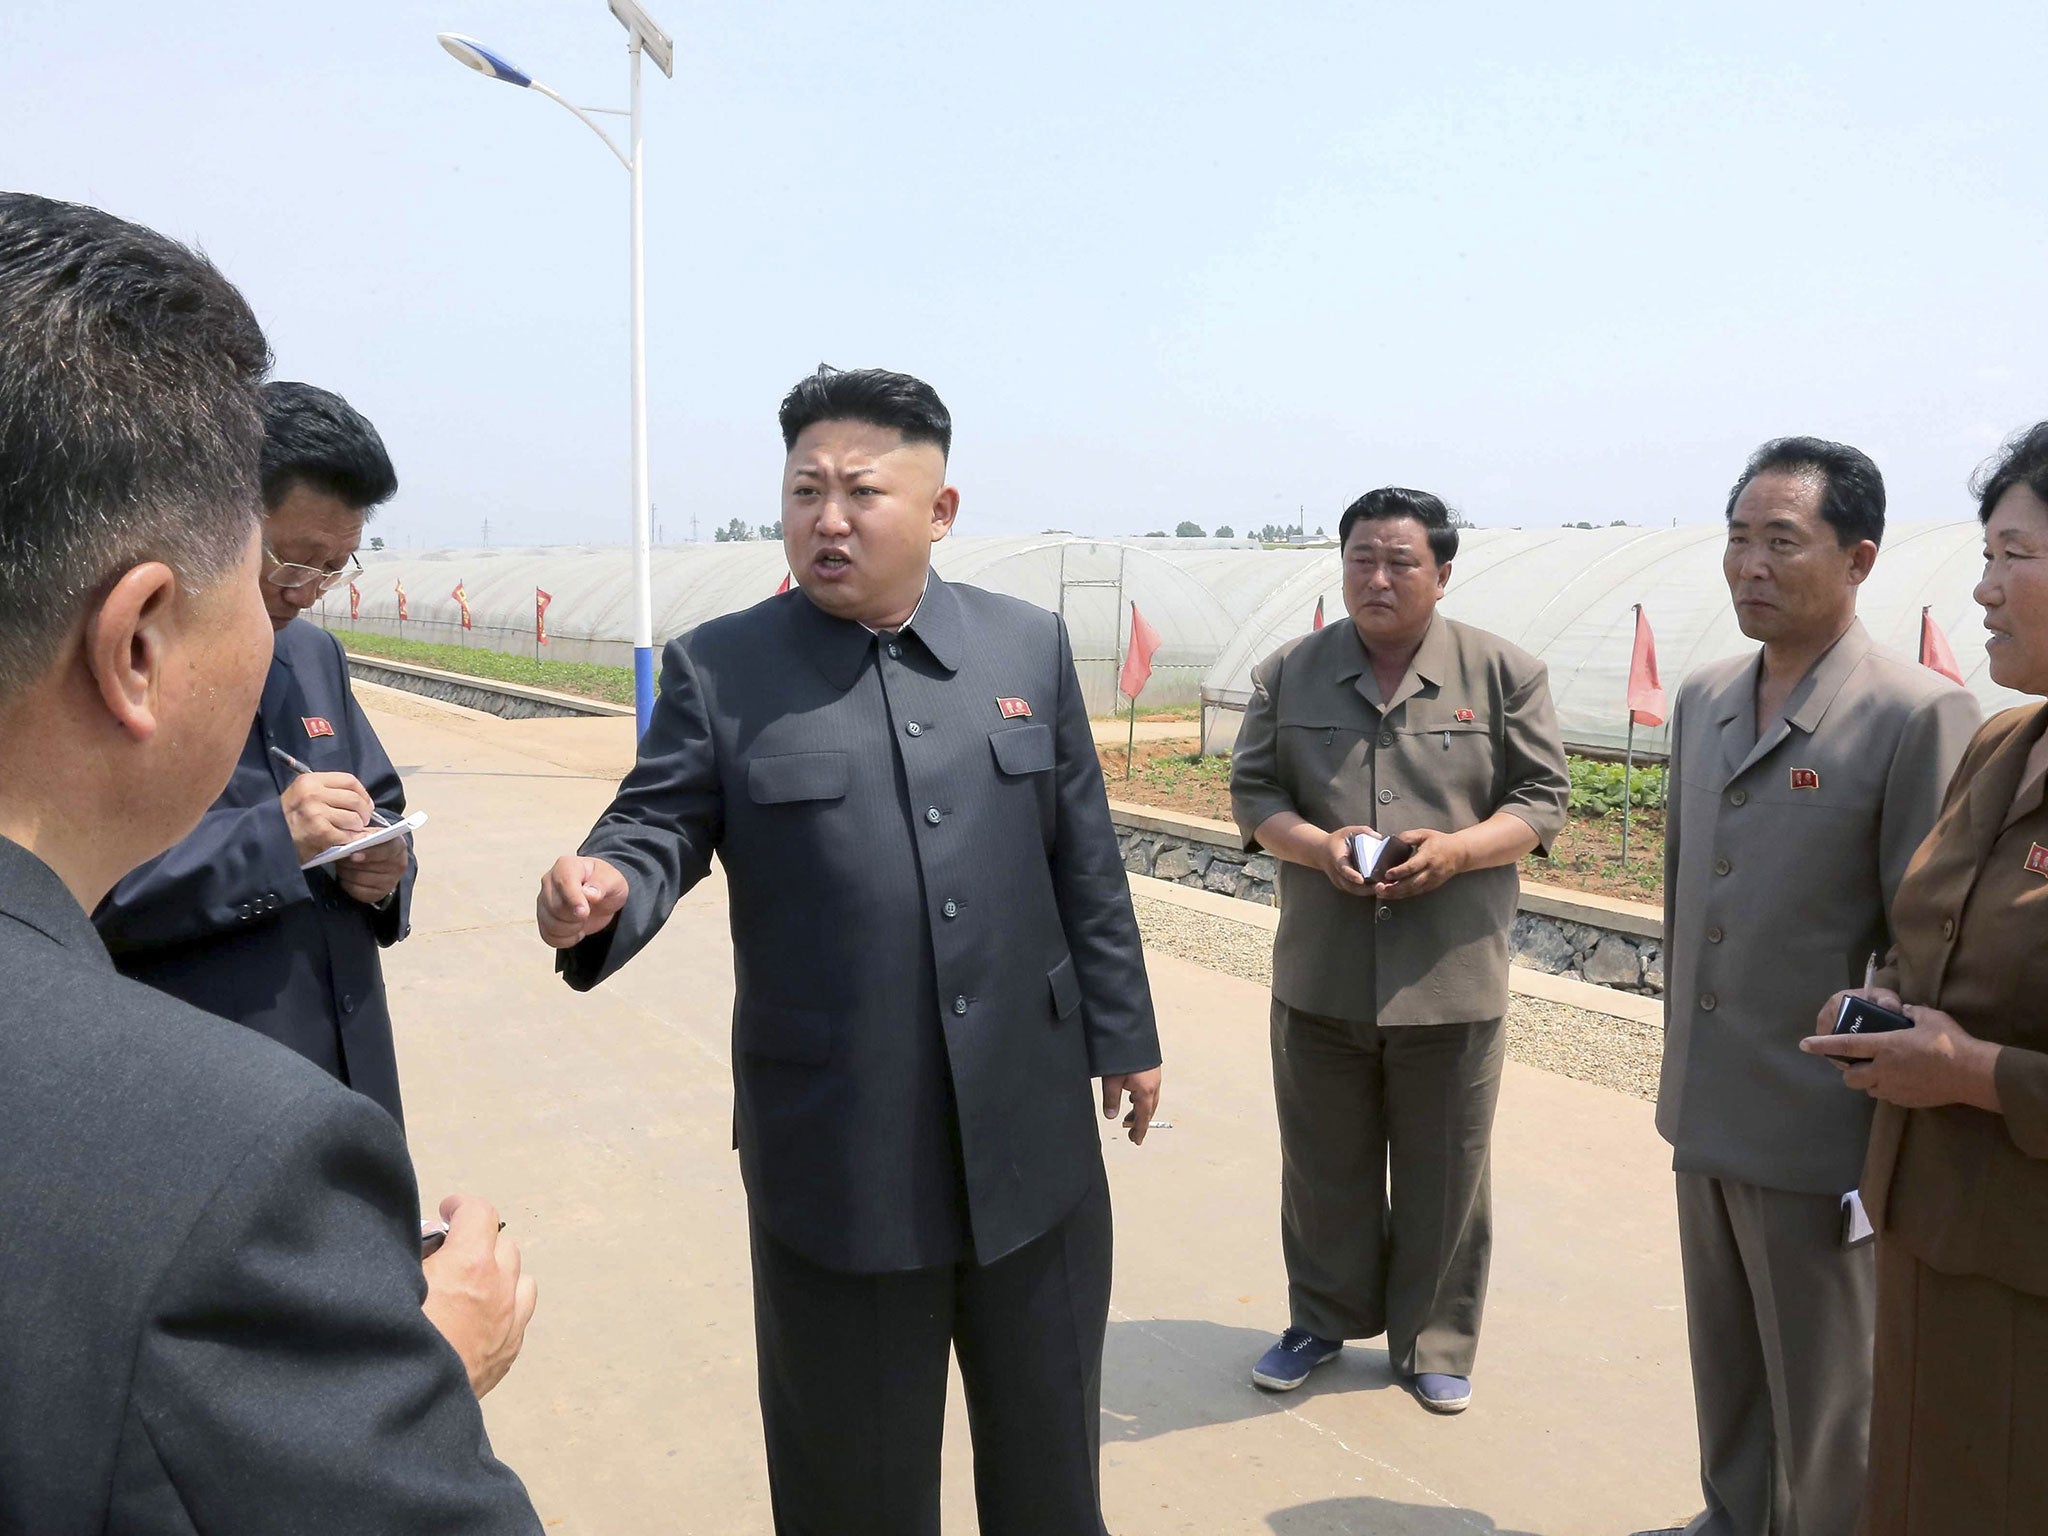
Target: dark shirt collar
[840, 647]
[31, 894]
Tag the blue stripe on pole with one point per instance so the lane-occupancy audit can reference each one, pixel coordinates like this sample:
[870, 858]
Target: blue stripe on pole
[643, 684]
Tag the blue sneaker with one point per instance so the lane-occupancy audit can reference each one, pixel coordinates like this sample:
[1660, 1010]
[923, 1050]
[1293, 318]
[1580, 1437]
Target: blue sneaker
[1286, 1365]
[1443, 1394]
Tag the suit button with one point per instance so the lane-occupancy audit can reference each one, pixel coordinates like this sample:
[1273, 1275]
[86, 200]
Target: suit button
[951, 909]
[959, 1005]
[1714, 935]
[1738, 797]
[1708, 1002]
[1386, 738]
[1722, 866]
[348, 1002]
[895, 652]
[1386, 797]
[914, 729]
[1948, 927]
[1383, 914]
[932, 815]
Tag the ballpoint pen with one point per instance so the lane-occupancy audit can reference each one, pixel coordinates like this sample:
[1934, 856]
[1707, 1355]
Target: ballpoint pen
[298, 767]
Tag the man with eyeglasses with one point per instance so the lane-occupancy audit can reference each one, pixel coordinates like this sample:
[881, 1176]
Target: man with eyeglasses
[227, 920]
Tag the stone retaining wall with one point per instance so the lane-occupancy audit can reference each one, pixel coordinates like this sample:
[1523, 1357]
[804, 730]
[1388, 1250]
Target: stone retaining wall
[506, 700]
[1625, 952]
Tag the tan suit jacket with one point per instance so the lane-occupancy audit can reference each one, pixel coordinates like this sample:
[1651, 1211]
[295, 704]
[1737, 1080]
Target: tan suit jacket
[1964, 1190]
[1780, 857]
[1469, 731]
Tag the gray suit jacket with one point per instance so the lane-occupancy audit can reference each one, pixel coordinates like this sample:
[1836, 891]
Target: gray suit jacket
[210, 1283]
[1781, 857]
[933, 936]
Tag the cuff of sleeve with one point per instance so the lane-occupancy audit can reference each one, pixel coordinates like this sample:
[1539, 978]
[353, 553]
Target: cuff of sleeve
[1253, 812]
[278, 867]
[2022, 1078]
[1545, 827]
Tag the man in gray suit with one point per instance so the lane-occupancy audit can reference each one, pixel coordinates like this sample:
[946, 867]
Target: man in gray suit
[210, 1280]
[1802, 778]
[935, 951]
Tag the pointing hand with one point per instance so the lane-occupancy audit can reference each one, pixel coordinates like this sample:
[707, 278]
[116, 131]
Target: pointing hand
[578, 897]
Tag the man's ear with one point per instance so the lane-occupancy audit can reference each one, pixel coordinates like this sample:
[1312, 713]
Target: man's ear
[1861, 559]
[128, 646]
[1443, 578]
[944, 510]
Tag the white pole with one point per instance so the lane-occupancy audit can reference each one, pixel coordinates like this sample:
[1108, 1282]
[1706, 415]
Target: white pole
[643, 554]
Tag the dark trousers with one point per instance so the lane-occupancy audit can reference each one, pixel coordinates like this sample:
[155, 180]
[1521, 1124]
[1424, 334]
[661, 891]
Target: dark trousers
[1386, 1215]
[853, 1385]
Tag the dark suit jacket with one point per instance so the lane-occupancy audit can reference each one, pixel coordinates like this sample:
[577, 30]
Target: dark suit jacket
[226, 920]
[934, 942]
[209, 1274]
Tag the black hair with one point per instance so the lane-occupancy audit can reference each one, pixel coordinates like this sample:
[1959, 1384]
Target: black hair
[2022, 461]
[1852, 491]
[873, 395]
[1391, 501]
[314, 437]
[130, 424]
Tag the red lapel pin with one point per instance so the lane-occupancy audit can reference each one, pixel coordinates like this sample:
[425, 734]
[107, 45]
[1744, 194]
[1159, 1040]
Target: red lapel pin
[1805, 778]
[1014, 709]
[315, 726]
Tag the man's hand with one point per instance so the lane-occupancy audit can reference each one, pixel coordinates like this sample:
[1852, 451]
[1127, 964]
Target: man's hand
[1936, 1062]
[1143, 1087]
[1331, 853]
[373, 874]
[578, 897]
[475, 1293]
[325, 810]
[1438, 858]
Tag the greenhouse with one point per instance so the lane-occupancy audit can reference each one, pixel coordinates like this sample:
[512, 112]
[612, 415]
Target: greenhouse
[1566, 594]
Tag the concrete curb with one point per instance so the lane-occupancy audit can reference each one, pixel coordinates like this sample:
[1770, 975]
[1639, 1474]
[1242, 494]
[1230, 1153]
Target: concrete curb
[511, 701]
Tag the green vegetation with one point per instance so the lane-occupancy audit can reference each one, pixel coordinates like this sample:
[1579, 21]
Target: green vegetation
[1597, 787]
[586, 679]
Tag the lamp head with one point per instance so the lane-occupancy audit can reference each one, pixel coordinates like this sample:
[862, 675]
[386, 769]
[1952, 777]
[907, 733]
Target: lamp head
[467, 50]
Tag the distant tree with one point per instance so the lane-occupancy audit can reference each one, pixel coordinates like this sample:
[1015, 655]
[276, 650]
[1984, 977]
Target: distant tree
[1320, 534]
[1619, 522]
[771, 530]
[1224, 532]
[734, 532]
[1187, 530]
[1156, 533]
[1273, 533]
[376, 543]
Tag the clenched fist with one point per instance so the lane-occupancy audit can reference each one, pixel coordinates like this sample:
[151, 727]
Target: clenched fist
[578, 897]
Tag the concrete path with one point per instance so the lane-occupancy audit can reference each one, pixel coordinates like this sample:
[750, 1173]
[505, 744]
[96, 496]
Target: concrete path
[601, 1125]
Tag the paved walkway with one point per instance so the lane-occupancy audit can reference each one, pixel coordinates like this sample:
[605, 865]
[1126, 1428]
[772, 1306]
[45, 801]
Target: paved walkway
[601, 1125]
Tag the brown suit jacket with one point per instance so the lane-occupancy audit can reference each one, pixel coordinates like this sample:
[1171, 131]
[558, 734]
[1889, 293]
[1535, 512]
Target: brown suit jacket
[1964, 1190]
[1469, 731]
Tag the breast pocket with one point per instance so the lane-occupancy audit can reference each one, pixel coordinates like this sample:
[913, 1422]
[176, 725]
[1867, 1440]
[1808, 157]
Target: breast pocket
[798, 776]
[1022, 749]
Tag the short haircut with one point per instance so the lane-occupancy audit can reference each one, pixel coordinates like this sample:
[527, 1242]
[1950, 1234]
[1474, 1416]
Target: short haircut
[2022, 461]
[314, 437]
[1852, 491]
[130, 423]
[1392, 501]
[873, 395]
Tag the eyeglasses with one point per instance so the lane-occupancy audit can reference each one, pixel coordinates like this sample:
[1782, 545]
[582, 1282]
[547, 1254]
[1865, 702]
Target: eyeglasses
[292, 577]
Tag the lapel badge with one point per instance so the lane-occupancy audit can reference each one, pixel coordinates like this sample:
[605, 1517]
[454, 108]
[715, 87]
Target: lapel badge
[1014, 709]
[1465, 717]
[316, 727]
[1806, 778]
[2037, 860]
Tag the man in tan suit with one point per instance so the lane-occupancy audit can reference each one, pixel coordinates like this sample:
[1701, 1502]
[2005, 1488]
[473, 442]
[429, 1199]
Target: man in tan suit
[1388, 994]
[1802, 778]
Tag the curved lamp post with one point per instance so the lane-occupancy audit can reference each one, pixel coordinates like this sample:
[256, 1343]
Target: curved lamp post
[643, 36]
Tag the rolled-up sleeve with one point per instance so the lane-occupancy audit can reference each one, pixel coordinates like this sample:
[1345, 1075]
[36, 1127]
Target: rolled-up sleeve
[1538, 784]
[1256, 793]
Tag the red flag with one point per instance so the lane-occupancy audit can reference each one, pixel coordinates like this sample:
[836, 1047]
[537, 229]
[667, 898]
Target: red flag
[355, 602]
[785, 584]
[1138, 658]
[462, 599]
[1318, 623]
[540, 615]
[1934, 648]
[398, 586]
[1645, 693]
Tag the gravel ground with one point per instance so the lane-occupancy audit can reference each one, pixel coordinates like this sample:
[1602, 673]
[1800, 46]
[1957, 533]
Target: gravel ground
[1592, 1047]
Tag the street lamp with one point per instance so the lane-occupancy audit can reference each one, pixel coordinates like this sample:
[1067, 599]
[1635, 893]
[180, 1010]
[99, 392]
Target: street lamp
[643, 36]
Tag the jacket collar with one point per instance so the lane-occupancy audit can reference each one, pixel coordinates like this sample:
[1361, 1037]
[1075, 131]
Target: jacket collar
[1432, 666]
[1804, 710]
[31, 894]
[839, 647]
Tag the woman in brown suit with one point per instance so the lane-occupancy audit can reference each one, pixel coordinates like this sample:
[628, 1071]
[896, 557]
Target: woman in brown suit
[1957, 1176]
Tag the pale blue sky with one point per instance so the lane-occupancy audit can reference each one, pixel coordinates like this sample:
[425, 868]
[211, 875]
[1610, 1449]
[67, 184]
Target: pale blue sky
[1195, 260]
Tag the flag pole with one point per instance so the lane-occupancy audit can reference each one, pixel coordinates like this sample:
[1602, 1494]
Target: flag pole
[1131, 742]
[1628, 762]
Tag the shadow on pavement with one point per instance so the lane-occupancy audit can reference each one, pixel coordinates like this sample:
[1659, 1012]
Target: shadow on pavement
[1382, 1517]
[1164, 1375]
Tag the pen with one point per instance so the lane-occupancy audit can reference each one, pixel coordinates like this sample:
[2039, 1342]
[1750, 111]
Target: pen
[298, 767]
[1870, 970]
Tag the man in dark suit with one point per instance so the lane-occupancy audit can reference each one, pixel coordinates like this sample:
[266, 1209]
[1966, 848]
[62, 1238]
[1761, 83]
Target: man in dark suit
[935, 951]
[211, 1294]
[226, 920]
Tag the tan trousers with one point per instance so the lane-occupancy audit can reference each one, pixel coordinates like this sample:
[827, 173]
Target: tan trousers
[1780, 1317]
[1386, 1220]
